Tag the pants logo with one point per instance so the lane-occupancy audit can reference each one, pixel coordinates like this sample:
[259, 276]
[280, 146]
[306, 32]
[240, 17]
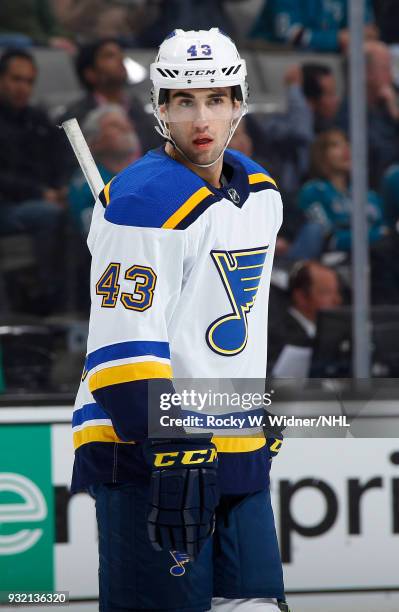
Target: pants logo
[181, 559]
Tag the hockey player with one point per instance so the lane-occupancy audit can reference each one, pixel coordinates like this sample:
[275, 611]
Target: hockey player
[182, 243]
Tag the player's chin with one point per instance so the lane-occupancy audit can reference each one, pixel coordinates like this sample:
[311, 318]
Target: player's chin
[205, 157]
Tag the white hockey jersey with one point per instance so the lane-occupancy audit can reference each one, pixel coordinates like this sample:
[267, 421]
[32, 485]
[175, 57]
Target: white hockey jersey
[179, 286]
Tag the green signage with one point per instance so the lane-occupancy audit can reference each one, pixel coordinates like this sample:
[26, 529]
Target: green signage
[26, 509]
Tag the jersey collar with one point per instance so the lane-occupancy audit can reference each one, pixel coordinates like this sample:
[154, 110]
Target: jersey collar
[236, 190]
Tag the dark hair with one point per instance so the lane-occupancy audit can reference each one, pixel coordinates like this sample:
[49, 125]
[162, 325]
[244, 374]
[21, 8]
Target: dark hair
[87, 56]
[11, 54]
[300, 277]
[312, 73]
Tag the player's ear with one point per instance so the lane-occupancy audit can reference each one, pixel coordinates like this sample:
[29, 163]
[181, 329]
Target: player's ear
[163, 113]
[237, 109]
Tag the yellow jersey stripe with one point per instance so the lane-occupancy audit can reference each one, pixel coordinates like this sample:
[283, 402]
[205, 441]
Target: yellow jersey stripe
[239, 444]
[96, 433]
[259, 177]
[187, 207]
[129, 372]
[106, 191]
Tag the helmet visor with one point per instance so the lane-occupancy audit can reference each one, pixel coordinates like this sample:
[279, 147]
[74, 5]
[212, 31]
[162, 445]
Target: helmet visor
[201, 106]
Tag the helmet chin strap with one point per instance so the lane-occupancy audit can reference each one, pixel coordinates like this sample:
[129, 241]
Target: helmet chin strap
[164, 131]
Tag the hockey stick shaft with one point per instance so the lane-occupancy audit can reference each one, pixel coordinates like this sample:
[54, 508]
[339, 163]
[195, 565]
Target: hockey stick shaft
[84, 156]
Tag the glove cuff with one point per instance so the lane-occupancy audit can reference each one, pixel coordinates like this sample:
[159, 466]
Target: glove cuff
[180, 453]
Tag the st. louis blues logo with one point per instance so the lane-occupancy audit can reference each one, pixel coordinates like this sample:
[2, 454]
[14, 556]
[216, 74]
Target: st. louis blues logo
[181, 559]
[240, 272]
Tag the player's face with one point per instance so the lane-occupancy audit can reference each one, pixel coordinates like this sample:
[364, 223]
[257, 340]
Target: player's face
[199, 121]
[16, 84]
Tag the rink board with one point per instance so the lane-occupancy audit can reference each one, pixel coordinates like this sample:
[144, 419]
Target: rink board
[336, 505]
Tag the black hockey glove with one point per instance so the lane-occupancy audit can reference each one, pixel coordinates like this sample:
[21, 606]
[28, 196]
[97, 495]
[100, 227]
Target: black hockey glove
[274, 445]
[273, 434]
[183, 493]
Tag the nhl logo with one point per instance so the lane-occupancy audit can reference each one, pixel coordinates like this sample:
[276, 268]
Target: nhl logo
[234, 197]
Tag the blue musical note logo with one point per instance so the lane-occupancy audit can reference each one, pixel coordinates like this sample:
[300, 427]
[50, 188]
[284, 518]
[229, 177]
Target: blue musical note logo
[181, 559]
[241, 272]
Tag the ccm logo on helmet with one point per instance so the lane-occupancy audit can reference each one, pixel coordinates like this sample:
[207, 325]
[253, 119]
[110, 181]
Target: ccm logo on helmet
[188, 457]
[199, 72]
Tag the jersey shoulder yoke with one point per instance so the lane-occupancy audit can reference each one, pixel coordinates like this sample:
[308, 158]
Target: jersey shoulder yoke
[258, 178]
[156, 191]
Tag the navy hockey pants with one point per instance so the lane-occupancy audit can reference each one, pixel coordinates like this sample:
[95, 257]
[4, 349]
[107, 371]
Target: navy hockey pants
[241, 560]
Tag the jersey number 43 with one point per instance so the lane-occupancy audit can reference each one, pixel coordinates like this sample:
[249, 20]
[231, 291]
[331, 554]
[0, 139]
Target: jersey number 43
[143, 278]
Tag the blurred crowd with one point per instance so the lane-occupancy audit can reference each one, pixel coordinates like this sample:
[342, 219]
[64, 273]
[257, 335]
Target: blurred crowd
[319, 25]
[45, 198]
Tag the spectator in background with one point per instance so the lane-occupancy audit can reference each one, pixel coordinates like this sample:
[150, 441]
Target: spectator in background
[387, 18]
[24, 23]
[312, 287]
[101, 71]
[390, 191]
[186, 15]
[241, 140]
[89, 20]
[114, 145]
[382, 113]
[281, 143]
[317, 25]
[297, 238]
[282, 140]
[31, 191]
[327, 198]
[320, 90]
[385, 262]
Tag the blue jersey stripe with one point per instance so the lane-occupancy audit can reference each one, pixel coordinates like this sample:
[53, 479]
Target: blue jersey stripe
[88, 412]
[123, 350]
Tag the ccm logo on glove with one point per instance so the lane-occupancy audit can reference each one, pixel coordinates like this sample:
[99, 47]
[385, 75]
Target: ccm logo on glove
[188, 457]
